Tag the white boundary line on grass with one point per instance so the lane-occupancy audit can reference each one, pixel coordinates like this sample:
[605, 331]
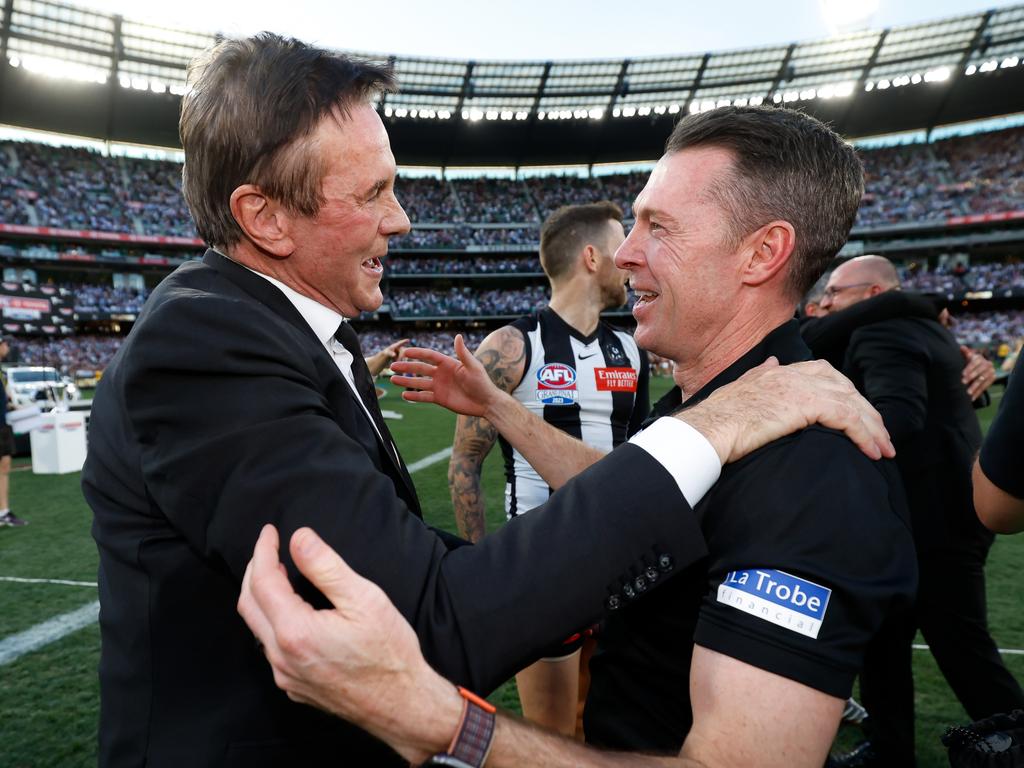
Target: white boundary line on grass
[14, 647]
[429, 461]
[67, 582]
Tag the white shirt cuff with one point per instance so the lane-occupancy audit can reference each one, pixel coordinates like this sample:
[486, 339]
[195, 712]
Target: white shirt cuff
[685, 453]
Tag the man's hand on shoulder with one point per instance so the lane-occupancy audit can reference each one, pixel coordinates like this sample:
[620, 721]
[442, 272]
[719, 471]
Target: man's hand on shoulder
[772, 401]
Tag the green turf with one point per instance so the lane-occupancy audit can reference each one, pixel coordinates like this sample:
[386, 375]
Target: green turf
[48, 706]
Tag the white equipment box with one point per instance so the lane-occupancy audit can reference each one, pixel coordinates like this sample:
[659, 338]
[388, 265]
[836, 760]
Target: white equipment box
[58, 443]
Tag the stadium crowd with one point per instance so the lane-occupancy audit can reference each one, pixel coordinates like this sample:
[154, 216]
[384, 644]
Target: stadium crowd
[448, 265]
[462, 301]
[82, 189]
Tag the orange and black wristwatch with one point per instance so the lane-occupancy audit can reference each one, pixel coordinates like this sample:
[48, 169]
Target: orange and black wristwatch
[472, 740]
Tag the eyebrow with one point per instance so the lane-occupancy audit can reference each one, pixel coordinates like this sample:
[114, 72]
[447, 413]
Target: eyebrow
[658, 213]
[377, 187]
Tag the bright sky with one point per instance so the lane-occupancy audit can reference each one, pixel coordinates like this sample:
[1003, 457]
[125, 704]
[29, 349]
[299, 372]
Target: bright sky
[538, 29]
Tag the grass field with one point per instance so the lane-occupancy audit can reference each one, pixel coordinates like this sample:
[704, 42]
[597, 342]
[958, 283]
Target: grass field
[48, 698]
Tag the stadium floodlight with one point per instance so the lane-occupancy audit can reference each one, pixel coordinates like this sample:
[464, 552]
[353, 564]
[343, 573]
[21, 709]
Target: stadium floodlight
[644, 111]
[565, 114]
[694, 108]
[14, 61]
[777, 98]
[988, 66]
[844, 90]
[722, 103]
[522, 115]
[707, 105]
[401, 112]
[628, 111]
[882, 84]
[869, 86]
[157, 87]
[465, 114]
[476, 115]
[507, 114]
[140, 84]
[444, 114]
[1009, 61]
[659, 109]
[596, 113]
[178, 89]
[413, 113]
[916, 78]
[65, 70]
[936, 75]
[388, 111]
[789, 96]
[673, 109]
[971, 69]
[808, 94]
[616, 112]
[492, 114]
[756, 101]
[540, 115]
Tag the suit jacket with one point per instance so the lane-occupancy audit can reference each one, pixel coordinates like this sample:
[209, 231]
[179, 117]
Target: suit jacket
[910, 368]
[221, 412]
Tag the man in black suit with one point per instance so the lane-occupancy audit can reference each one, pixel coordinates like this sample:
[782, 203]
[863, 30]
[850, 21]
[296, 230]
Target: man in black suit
[911, 369]
[241, 398]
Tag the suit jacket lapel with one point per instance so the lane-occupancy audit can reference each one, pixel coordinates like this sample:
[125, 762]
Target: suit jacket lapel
[266, 293]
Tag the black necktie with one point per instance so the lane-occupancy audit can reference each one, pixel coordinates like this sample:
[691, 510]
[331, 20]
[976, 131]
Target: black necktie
[364, 383]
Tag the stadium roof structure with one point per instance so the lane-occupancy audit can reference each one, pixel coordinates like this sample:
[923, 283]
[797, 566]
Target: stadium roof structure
[67, 69]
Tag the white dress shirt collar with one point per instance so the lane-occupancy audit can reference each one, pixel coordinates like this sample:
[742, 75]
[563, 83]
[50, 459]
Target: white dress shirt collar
[323, 321]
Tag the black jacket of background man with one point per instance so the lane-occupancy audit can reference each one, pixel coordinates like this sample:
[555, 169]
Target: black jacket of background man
[222, 412]
[808, 508]
[910, 367]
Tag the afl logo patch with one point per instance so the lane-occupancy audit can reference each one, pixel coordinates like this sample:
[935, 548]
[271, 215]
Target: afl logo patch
[556, 385]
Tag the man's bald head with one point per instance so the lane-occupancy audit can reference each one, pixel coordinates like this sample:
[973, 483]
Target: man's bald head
[875, 269]
[859, 279]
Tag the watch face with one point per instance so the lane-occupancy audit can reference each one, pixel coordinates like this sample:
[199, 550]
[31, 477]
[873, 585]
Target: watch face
[448, 760]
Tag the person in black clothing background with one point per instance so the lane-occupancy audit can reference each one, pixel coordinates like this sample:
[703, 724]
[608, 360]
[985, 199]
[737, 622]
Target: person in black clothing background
[910, 368]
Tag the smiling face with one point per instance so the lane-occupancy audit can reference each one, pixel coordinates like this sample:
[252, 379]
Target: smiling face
[338, 252]
[682, 265]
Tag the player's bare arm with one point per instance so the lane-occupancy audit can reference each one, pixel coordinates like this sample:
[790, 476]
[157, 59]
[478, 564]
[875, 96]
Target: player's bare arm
[503, 356]
[766, 403]
[462, 385]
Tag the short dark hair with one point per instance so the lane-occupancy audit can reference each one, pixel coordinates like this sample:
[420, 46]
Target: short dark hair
[787, 166]
[249, 107]
[570, 228]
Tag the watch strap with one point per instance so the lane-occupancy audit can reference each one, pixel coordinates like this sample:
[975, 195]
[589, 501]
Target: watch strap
[472, 741]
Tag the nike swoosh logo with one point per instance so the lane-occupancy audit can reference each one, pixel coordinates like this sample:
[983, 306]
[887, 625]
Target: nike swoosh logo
[587, 357]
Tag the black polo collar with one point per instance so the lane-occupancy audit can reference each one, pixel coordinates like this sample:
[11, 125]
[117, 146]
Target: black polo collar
[784, 342]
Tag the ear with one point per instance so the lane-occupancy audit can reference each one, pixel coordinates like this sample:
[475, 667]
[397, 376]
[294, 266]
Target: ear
[263, 220]
[874, 290]
[769, 251]
[591, 262]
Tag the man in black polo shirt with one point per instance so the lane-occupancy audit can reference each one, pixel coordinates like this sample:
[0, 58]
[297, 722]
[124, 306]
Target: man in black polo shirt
[749, 655]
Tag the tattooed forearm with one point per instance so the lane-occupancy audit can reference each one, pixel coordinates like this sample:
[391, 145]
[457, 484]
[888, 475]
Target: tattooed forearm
[474, 438]
[503, 355]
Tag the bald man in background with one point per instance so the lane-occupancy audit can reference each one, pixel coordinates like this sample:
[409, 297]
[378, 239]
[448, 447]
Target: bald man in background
[910, 368]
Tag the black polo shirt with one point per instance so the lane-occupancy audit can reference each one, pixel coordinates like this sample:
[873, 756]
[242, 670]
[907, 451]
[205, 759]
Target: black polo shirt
[809, 550]
[1004, 445]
